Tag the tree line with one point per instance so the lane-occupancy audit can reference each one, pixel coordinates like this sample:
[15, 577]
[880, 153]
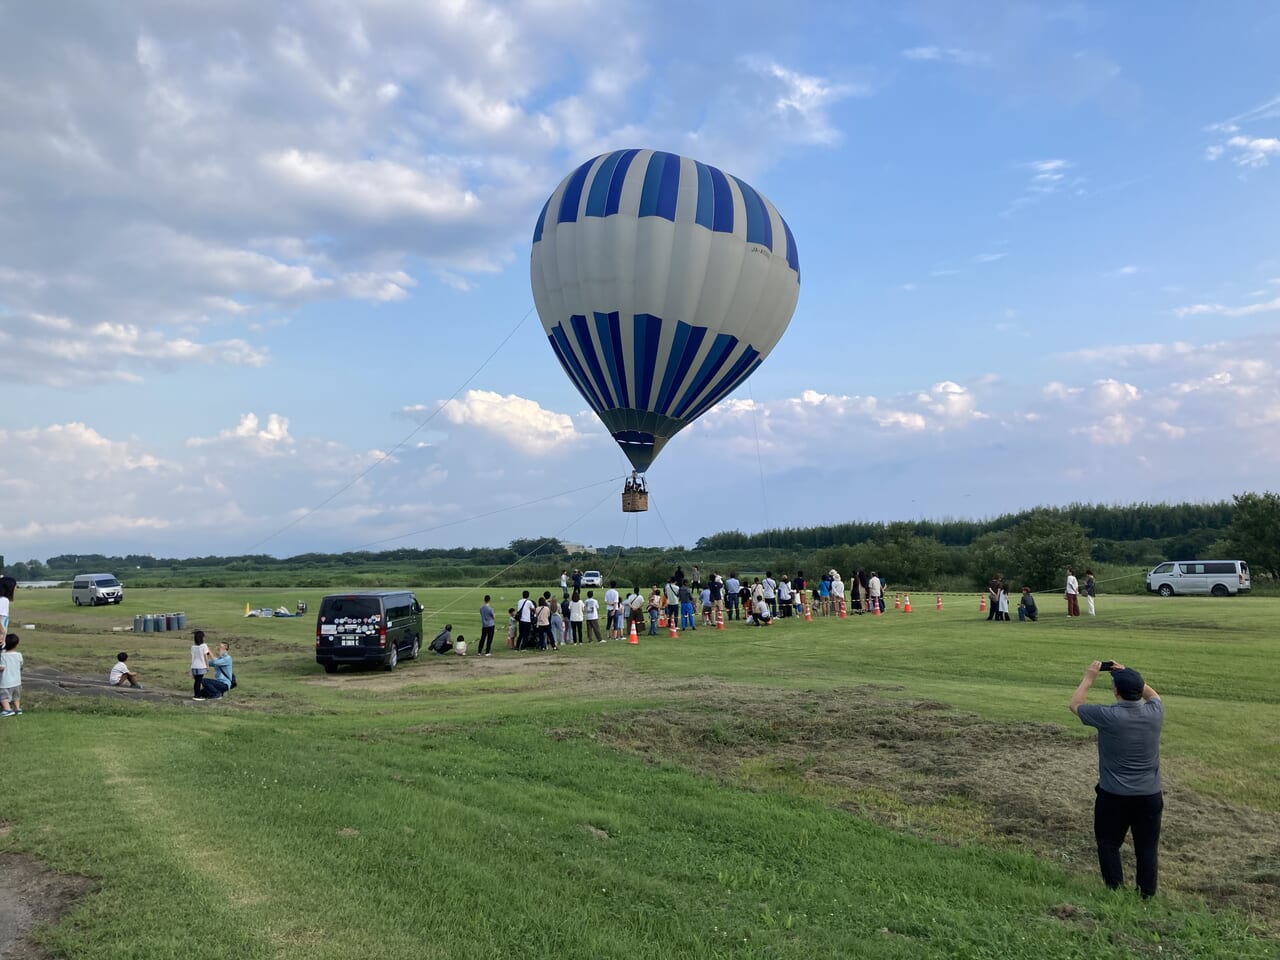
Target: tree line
[1029, 547]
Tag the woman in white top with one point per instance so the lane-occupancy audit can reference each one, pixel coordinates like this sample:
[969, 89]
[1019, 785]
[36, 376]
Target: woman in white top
[576, 607]
[7, 586]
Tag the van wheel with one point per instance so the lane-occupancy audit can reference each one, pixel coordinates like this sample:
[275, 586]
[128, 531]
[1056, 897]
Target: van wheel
[1220, 590]
[330, 668]
[413, 651]
[77, 600]
[392, 659]
[1166, 590]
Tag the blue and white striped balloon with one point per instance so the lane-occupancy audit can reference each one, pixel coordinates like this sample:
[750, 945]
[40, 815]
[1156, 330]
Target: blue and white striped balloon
[662, 283]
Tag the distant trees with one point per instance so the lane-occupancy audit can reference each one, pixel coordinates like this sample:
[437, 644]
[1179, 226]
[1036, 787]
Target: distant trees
[1255, 531]
[538, 547]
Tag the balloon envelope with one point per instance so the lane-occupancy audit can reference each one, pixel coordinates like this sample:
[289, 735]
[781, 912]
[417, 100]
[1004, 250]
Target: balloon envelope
[662, 284]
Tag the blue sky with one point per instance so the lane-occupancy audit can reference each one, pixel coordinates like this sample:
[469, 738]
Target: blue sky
[247, 251]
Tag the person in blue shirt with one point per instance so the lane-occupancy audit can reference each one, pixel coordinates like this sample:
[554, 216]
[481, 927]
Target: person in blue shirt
[216, 687]
[1128, 794]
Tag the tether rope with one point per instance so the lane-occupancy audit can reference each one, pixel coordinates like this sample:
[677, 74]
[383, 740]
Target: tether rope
[388, 455]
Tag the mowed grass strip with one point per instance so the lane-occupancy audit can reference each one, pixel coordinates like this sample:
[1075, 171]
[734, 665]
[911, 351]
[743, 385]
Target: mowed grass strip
[406, 816]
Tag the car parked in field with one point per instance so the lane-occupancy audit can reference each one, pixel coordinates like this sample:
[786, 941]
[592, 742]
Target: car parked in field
[96, 588]
[592, 578]
[368, 628]
[1218, 578]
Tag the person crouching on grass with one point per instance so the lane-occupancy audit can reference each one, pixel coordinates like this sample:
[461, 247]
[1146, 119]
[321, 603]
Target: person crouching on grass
[216, 687]
[1128, 793]
[121, 674]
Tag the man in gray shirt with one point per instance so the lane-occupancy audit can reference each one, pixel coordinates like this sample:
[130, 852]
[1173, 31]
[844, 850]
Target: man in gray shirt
[1129, 795]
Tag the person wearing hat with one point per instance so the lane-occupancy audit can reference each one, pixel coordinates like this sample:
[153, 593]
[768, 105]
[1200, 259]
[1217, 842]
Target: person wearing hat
[1128, 793]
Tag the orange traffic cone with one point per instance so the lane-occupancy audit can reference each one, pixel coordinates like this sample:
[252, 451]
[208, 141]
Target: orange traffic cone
[808, 612]
[939, 603]
[633, 638]
[982, 603]
[674, 632]
[720, 622]
[906, 603]
[844, 613]
[662, 620]
[875, 605]
[897, 601]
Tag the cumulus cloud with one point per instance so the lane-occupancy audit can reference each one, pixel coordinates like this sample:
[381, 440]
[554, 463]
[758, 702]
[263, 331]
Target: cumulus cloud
[210, 173]
[274, 437]
[1113, 430]
[520, 422]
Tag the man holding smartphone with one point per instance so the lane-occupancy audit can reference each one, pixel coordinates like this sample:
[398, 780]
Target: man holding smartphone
[1128, 794]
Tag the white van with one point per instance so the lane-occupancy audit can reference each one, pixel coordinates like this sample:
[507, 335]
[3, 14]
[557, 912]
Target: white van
[96, 588]
[1219, 578]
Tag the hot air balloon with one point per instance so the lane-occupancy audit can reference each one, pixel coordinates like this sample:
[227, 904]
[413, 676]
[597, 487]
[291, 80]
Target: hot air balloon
[662, 284]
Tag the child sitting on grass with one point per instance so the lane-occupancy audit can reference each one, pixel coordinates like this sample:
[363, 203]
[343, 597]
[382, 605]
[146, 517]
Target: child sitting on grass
[121, 674]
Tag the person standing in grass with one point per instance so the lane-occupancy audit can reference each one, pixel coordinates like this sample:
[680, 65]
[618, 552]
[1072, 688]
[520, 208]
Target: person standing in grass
[686, 608]
[731, 600]
[524, 614]
[10, 677]
[715, 586]
[488, 621]
[655, 609]
[591, 616]
[1128, 796]
[673, 600]
[576, 614]
[199, 661]
[8, 585]
[1072, 593]
[1090, 588]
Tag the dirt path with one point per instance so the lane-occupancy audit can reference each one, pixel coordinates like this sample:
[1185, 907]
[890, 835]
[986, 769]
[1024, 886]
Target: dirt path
[31, 894]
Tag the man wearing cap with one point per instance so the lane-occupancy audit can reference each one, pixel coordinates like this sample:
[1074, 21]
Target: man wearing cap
[1128, 791]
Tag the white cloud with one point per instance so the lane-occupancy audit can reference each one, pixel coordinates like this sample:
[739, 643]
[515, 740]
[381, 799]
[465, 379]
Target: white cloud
[272, 438]
[1196, 309]
[1255, 151]
[520, 422]
[1110, 393]
[372, 190]
[1246, 151]
[989, 257]
[802, 101]
[956, 55]
[1114, 430]
[1060, 391]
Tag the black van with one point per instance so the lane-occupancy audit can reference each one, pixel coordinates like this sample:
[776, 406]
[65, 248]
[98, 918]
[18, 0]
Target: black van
[365, 628]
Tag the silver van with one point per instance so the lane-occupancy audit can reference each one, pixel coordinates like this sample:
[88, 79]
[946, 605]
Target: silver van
[1219, 578]
[96, 588]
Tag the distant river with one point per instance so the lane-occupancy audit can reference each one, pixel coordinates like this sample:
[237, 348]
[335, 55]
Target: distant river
[37, 584]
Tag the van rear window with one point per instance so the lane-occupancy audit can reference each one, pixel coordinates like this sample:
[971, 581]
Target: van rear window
[1220, 567]
[350, 608]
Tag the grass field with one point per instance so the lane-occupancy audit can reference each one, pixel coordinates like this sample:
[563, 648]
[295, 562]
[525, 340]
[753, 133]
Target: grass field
[905, 786]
